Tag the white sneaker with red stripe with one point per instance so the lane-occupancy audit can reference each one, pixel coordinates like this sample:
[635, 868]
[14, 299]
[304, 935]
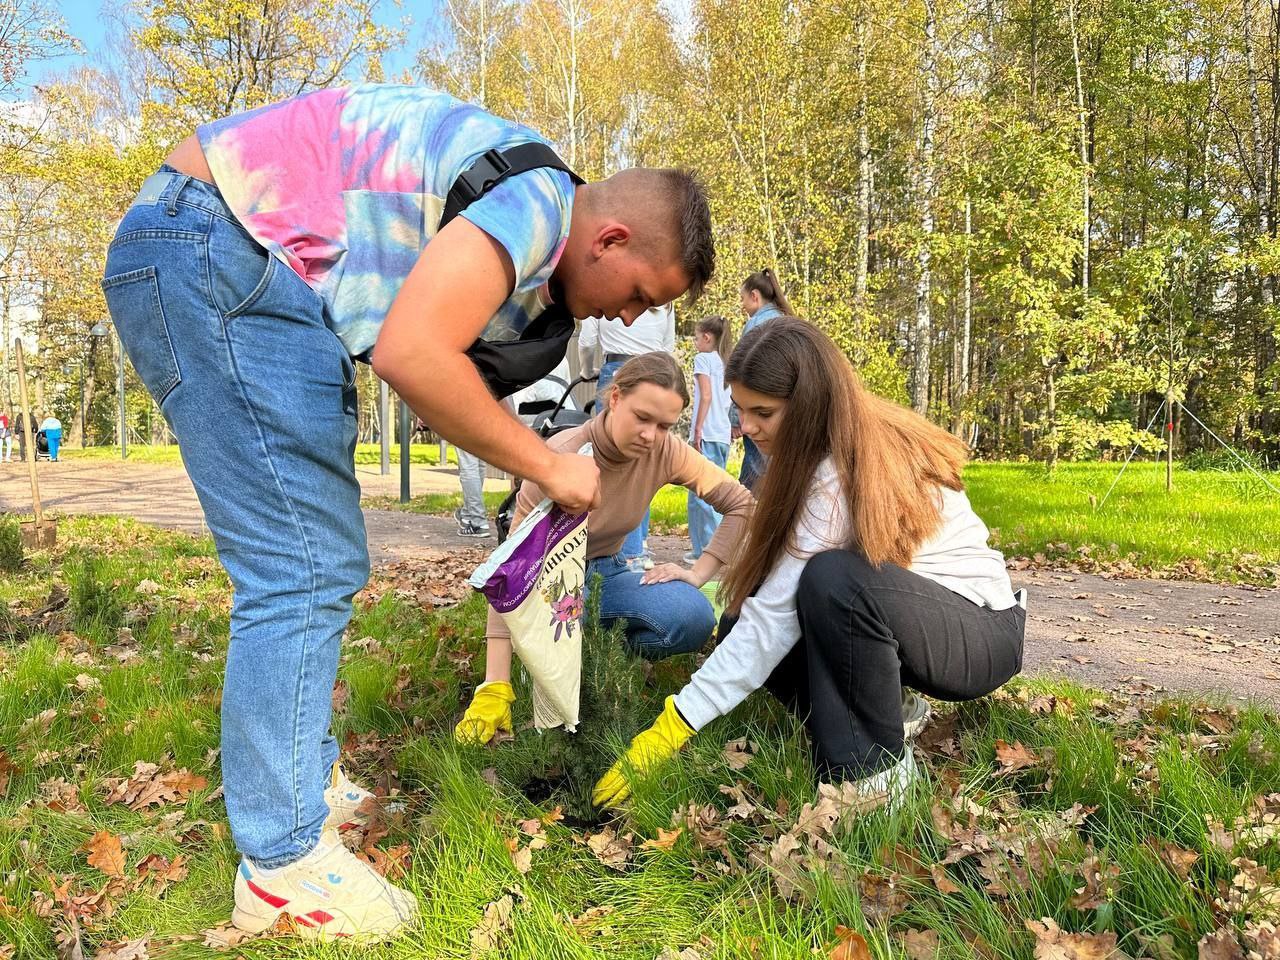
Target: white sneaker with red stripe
[344, 798]
[327, 894]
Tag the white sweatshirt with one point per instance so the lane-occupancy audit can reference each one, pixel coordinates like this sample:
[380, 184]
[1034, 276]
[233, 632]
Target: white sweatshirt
[957, 557]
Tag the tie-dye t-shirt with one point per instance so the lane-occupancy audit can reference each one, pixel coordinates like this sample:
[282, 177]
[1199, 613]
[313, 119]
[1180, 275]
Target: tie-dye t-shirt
[347, 187]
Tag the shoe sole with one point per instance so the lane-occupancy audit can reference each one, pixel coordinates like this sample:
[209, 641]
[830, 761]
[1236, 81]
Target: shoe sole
[911, 729]
[304, 929]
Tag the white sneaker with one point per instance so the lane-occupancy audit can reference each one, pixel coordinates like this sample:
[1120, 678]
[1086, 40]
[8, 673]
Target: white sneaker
[344, 798]
[888, 788]
[915, 714]
[327, 894]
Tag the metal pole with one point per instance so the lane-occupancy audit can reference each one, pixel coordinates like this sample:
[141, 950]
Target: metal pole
[84, 418]
[124, 438]
[384, 424]
[404, 452]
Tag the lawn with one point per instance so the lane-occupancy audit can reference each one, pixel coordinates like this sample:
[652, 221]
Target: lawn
[1130, 823]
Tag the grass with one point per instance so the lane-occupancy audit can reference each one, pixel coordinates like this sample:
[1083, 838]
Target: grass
[1214, 525]
[130, 671]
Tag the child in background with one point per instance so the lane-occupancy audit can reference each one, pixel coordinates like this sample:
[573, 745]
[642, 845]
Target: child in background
[709, 431]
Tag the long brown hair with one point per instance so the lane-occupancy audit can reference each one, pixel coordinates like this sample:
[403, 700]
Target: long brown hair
[889, 459]
[722, 330]
[765, 282]
[659, 368]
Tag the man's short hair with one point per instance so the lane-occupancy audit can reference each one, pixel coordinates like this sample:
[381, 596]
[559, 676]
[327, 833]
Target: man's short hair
[680, 212]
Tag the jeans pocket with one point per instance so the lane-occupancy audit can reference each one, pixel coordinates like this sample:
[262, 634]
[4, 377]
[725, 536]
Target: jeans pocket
[133, 299]
[255, 294]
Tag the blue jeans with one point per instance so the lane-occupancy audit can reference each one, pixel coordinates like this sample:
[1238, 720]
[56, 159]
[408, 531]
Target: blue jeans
[471, 478]
[703, 519]
[261, 395]
[754, 464]
[660, 619]
[634, 544]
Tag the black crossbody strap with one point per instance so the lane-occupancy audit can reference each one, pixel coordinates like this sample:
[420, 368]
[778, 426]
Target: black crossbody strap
[491, 168]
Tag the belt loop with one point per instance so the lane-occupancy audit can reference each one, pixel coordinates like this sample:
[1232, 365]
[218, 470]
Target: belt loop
[171, 208]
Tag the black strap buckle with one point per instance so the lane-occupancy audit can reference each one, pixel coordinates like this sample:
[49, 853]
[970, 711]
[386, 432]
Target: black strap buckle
[481, 176]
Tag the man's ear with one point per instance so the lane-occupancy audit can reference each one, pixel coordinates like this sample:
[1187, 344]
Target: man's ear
[610, 234]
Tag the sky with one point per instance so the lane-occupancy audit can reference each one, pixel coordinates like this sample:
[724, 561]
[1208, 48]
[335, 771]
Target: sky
[86, 20]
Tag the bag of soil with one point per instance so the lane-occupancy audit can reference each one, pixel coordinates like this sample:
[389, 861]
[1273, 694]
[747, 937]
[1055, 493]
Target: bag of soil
[535, 582]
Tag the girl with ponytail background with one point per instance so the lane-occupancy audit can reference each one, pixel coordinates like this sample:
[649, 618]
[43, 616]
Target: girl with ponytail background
[762, 300]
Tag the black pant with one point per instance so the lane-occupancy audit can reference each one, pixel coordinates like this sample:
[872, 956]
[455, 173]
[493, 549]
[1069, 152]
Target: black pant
[867, 632]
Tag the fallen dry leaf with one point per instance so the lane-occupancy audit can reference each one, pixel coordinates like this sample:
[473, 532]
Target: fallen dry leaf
[1015, 757]
[149, 787]
[688, 953]
[881, 897]
[920, 944]
[521, 857]
[1054, 943]
[225, 936]
[1263, 940]
[124, 950]
[1099, 884]
[106, 853]
[588, 923]
[851, 945]
[496, 920]
[611, 849]
[665, 841]
[1176, 858]
[738, 753]
[1219, 945]
[160, 871]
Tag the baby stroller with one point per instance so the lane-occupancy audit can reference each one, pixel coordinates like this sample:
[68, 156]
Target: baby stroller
[42, 445]
[549, 419]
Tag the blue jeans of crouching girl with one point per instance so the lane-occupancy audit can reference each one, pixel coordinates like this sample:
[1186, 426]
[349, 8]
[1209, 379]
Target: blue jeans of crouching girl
[660, 619]
[261, 396]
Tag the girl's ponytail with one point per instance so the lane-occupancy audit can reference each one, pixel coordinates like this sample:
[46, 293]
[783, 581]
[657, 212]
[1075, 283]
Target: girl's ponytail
[765, 283]
[722, 330]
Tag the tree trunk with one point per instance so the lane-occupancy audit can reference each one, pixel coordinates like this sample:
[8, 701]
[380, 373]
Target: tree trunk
[924, 191]
[862, 248]
[1083, 120]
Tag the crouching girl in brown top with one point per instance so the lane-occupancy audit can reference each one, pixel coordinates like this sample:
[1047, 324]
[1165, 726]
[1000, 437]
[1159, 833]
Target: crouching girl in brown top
[662, 610]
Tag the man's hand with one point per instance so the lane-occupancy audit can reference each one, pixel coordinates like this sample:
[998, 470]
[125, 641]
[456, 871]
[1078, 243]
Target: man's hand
[573, 483]
[650, 748]
[695, 441]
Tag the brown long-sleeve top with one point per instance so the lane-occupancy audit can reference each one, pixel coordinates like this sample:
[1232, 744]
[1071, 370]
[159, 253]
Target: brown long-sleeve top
[627, 487]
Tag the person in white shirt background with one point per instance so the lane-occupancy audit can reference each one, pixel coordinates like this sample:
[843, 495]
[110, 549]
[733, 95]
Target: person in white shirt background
[615, 342]
[709, 430]
[867, 572]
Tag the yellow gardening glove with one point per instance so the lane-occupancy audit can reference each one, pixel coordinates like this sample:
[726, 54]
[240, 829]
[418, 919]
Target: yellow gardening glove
[489, 712]
[648, 749]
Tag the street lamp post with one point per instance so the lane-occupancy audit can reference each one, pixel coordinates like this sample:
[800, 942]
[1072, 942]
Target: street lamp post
[101, 329]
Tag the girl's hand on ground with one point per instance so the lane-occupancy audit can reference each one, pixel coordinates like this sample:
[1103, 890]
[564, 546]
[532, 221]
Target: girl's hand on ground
[666, 572]
[651, 747]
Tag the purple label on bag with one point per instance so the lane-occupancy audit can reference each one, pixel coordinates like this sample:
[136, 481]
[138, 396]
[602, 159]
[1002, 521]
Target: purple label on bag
[545, 546]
